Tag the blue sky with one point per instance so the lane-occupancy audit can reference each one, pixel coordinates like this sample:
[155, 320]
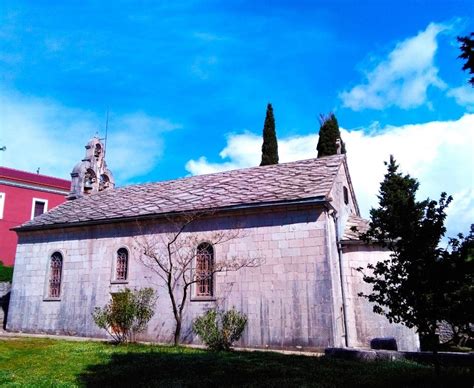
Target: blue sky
[187, 83]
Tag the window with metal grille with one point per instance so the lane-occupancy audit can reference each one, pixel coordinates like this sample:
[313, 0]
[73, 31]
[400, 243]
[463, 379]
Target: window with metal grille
[56, 266]
[121, 267]
[204, 274]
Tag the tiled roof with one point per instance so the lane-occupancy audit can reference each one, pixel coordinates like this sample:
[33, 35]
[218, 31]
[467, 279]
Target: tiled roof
[361, 225]
[37, 179]
[299, 180]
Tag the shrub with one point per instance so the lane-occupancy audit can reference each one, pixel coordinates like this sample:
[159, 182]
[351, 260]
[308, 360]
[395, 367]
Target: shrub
[220, 329]
[127, 314]
[6, 273]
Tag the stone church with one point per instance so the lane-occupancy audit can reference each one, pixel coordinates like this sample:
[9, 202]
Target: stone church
[293, 219]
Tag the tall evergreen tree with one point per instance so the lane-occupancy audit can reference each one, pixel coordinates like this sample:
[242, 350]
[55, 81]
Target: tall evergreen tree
[421, 284]
[270, 143]
[467, 53]
[407, 287]
[328, 135]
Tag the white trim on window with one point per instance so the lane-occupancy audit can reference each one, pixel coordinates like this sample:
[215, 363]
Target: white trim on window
[33, 204]
[2, 204]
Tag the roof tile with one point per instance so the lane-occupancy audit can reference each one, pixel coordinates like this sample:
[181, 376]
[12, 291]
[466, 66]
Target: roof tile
[354, 226]
[303, 179]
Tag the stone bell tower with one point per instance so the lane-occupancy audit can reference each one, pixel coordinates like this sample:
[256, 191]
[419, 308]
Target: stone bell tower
[91, 175]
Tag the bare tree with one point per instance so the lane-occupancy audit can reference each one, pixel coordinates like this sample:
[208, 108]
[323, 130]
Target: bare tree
[172, 256]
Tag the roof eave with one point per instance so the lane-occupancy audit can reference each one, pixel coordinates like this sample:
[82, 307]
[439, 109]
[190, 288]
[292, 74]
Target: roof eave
[34, 186]
[298, 202]
[352, 242]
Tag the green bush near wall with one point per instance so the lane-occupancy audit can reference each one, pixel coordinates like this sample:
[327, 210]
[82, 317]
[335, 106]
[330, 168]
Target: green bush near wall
[6, 273]
[219, 329]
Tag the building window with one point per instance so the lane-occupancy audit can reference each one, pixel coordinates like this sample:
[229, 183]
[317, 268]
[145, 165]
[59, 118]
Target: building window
[2, 204]
[204, 270]
[121, 265]
[346, 195]
[55, 271]
[38, 207]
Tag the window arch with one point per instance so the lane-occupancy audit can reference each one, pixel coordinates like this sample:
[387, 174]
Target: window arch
[121, 264]
[97, 150]
[104, 182]
[204, 270]
[346, 195]
[55, 273]
[89, 180]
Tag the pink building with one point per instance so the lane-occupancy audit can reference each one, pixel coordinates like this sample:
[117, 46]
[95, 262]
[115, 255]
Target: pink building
[23, 196]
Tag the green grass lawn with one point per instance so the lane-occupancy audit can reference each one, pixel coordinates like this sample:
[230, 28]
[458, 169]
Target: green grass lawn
[47, 362]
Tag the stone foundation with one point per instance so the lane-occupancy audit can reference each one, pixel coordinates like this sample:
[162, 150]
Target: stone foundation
[445, 358]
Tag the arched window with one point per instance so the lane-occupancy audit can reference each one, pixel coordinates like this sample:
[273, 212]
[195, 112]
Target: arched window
[204, 267]
[89, 180]
[104, 182]
[97, 150]
[55, 271]
[346, 195]
[121, 266]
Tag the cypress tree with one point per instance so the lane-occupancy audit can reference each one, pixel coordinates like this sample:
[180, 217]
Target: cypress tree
[270, 144]
[328, 134]
[467, 53]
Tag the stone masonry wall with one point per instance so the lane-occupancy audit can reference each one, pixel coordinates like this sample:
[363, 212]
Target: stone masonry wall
[336, 224]
[337, 195]
[288, 299]
[363, 323]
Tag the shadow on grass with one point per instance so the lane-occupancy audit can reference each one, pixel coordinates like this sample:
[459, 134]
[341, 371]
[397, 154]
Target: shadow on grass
[181, 367]
[155, 368]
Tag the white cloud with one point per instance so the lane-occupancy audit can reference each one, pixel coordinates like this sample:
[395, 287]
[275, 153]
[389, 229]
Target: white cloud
[464, 96]
[243, 150]
[439, 154]
[403, 78]
[135, 146]
[43, 133]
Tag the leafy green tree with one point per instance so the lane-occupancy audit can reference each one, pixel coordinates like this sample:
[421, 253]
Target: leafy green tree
[410, 286]
[467, 53]
[329, 133]
[270, 143]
